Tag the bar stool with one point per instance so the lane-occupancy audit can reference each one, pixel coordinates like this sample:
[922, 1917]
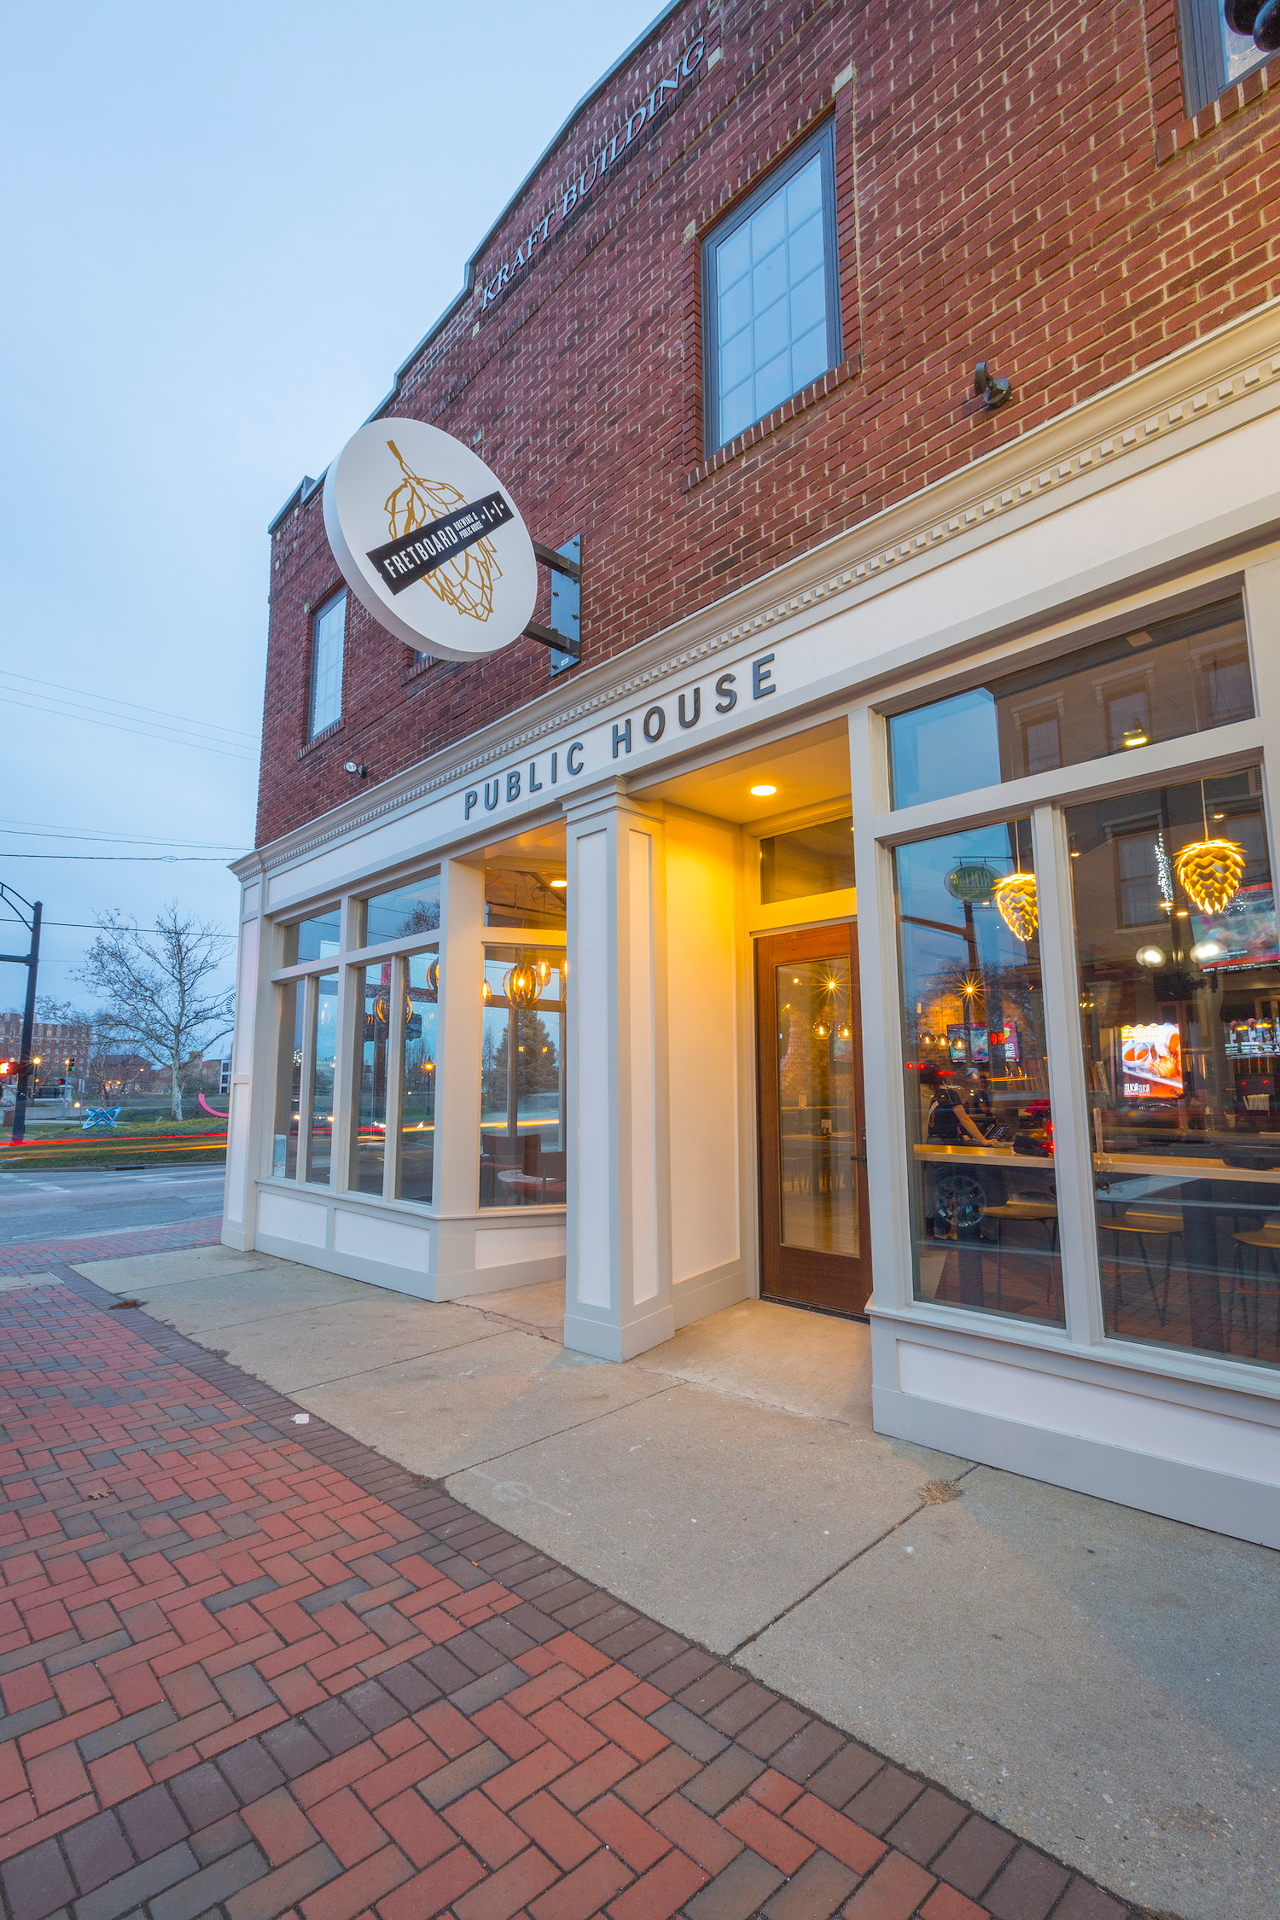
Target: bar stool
[1146, 1223]
[1265, 1239]
[1043, 1211]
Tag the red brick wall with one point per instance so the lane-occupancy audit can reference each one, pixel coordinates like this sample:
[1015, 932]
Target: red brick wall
[1009, 184]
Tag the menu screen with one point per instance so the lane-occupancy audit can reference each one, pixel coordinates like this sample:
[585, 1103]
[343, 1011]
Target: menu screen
[1151, 1062]
[1242, 935]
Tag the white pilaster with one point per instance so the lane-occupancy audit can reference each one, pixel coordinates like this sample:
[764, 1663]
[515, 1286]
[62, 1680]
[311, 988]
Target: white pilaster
[459, 1020]
[249, 1110]
[618, 1290]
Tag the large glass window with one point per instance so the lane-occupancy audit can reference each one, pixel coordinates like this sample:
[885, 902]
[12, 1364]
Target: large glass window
[532, 895]
[770, 297]
[522, 1136]
[414, 908]
[284, 1156]
[369, 1133]
[418, 1078]
[1160, 682]
[328, 627]
[313, 939]
[1179, 975]
[984, 1211]
[817, 859]
[320, 1134]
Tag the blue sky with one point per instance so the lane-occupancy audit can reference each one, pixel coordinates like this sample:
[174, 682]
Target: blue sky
[223, 231]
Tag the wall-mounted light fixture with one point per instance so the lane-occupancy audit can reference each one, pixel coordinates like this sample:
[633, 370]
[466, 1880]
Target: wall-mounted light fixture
[1260, 18]
[355, 766]
[990, 386]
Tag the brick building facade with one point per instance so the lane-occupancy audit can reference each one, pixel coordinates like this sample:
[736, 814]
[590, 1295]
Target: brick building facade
[879, 916]
[1021, 184]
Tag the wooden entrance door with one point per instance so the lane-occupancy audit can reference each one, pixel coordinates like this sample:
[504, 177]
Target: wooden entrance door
[813, 1172]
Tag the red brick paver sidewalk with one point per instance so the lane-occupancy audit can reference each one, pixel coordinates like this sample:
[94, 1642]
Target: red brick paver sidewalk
[251, 1669]
[34, 1256]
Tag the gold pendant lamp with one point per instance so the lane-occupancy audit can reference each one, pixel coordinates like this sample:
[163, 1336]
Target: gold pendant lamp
[1209, 871]
[1015, 897]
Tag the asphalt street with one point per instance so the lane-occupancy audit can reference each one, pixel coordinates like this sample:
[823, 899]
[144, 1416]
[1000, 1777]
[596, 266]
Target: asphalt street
[44, 1204]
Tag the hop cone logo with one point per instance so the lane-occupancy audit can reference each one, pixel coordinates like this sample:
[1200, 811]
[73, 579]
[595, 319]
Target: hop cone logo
[464, 582]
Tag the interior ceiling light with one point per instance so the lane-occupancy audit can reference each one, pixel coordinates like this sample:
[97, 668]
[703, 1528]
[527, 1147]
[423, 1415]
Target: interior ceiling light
[763, 791]
[1135, 735]
[559, 883]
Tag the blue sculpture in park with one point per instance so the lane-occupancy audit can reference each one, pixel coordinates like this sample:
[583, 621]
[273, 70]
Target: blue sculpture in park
[100, 1117]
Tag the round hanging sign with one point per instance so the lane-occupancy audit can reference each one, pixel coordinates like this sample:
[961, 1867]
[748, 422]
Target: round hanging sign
[429, 540]
[972, 880]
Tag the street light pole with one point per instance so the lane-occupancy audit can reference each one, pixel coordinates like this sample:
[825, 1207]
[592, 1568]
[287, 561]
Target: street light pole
[30, 961]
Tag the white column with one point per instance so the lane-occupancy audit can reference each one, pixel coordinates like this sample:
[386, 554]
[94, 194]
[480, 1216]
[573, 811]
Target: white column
[252, 1090]
[455, 1185]
[618, 1290]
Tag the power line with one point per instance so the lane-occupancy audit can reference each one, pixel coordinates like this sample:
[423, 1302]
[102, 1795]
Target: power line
[164, 713]
[170, 859]
[119, 726]
[112, 839]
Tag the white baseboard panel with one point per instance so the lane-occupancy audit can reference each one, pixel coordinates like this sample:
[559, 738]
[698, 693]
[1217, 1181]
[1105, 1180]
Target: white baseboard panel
[585, 1333]
[1202, 1497]
[706, 1293]
[352, 1266]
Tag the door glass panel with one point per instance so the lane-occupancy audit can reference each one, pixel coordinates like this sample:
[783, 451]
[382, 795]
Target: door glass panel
[373, 1007]
[320, 1146]
[817, 1141]
[418, 1109]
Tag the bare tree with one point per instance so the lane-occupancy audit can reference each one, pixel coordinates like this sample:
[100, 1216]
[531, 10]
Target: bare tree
[157, 990]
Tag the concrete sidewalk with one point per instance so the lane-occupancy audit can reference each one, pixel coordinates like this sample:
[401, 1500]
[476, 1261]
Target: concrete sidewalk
[1100, 1681]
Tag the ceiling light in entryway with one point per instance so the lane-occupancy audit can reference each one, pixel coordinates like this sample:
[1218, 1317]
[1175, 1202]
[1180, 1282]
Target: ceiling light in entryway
[762, 792]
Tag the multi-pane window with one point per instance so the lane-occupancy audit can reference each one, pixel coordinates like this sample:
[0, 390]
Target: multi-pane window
[770, 297]
[327, 628]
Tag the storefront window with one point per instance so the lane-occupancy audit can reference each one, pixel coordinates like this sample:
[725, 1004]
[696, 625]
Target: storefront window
[1172, 678]
[522, 1138]
[816, 859]
[320, 1135]
[984, 1206]
[313, 939]
[369, 1135]
[531, 896]
[1179, 973]
[418, 1079]
[284, 1157]
[404, 910]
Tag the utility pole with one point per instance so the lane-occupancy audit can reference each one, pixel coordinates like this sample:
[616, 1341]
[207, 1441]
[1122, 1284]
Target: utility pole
[16, 902]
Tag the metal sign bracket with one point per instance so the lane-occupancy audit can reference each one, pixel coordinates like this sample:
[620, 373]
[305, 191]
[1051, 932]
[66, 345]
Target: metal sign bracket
[564, 636]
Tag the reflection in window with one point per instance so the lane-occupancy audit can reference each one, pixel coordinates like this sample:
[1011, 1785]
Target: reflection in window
[527, 896]
[771, 308]
[522, 1137]
[1181, 1032]
[817, 1140]
[817, 859]
[984, 1207]
[404, 910]
[284, 1156]
[313, 939]
[369, 1135]
[1175, 677]
[418, 1079]
[320, 1134]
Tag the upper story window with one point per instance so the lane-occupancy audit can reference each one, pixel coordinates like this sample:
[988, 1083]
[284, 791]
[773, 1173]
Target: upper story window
[771, 303]
[328, 625]
[1214, 57]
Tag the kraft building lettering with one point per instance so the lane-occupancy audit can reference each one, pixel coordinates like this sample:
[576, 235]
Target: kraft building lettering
[580, 185]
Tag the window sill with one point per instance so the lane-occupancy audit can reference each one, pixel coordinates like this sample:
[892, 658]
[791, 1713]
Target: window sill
[1185, 133]
[319, 739]
[807, 397]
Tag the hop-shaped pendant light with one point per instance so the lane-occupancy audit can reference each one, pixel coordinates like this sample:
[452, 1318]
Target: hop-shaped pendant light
[1209, 872]
[1015, 897]
[521, 984]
